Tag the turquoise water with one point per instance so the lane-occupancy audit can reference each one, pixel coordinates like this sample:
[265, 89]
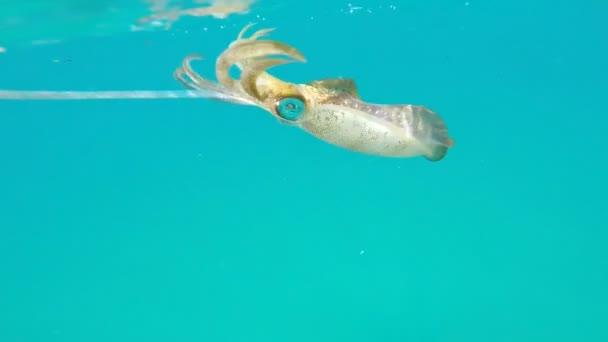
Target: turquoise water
[192, 220]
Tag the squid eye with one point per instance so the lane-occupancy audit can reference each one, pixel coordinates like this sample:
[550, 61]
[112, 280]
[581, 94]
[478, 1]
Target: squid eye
[290, 108]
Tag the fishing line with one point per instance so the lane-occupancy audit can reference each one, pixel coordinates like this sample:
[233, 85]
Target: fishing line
[106, 95]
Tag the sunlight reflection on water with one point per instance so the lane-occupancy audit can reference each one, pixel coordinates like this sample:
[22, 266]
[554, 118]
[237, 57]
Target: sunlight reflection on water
[52, 21]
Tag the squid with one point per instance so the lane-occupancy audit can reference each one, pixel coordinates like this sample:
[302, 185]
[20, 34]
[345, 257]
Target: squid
[329, 109]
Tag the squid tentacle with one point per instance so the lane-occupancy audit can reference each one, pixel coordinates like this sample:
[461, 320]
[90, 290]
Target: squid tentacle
[243, 53]
[255, 70]
[179, 76]
[193, 75]
[217, 93]
[258, 34]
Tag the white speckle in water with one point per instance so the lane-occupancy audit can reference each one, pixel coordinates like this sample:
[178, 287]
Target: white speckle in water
[467, 3]
[2, 49]
[362, 252]
[352, 9]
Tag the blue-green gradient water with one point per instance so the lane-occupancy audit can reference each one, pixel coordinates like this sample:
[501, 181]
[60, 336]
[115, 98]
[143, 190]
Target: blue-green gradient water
[192, 220]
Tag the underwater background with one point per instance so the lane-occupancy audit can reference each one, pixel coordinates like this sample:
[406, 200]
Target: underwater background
[193, 220]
